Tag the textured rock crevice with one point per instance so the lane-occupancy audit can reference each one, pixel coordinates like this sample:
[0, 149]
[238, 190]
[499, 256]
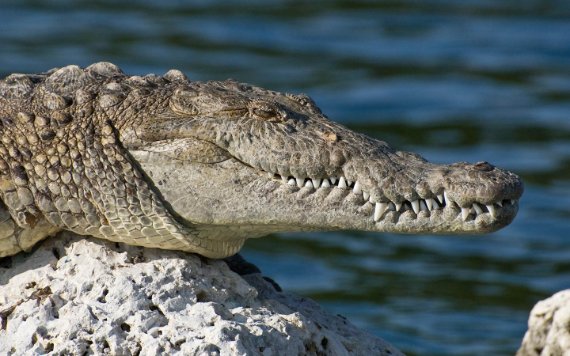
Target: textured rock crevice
[548, 327]
[82, 296]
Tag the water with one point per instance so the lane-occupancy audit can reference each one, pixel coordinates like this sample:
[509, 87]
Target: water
[455, 81]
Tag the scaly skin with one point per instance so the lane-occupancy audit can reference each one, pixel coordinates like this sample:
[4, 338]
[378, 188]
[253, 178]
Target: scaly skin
[169, 163]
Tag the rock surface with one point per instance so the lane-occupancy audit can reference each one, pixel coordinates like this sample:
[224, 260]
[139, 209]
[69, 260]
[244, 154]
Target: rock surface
[548, 327]
[77, 296]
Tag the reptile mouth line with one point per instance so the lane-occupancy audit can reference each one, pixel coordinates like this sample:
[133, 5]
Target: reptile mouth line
[381, 209]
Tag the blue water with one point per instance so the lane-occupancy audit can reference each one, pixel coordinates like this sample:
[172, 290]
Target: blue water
[455, 81]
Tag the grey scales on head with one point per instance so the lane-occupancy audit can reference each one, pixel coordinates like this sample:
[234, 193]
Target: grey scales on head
[165, 162]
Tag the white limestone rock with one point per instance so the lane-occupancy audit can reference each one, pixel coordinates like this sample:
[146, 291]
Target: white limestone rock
[75, 296]
[548, 327]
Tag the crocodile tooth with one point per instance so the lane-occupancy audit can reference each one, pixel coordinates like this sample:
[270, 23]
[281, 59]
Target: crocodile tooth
[379, 210]
[448, 201]
[423, 206]
[431, 204]
[284, 179]
[398, 206]
[333, 180]
[357, 189]
[317, 183]
[300, 182]
[309, 184]
[342, 183]
[325, 183]
[478, 209]
[416, 206]
[348, 182]
[365, 195]
[465, 213]
[292, 182]
[499, 203]
[440, 198]
[492, 210]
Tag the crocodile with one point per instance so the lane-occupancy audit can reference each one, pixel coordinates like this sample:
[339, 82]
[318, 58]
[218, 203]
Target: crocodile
[166, 162]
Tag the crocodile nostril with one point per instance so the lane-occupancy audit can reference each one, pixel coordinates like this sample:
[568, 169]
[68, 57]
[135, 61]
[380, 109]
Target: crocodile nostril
[483, 166]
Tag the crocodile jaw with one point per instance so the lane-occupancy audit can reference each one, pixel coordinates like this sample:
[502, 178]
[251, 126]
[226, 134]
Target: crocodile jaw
[229, 198]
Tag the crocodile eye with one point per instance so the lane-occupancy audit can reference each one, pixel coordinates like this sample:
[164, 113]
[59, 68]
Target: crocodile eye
[267, 111]
[483, 166]
[264, 113]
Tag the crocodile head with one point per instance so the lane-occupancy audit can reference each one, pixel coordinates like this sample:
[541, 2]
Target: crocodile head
[238, 161]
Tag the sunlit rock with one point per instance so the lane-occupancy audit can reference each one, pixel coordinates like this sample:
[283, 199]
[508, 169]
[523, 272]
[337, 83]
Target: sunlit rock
[548, 327]
[78, 296]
